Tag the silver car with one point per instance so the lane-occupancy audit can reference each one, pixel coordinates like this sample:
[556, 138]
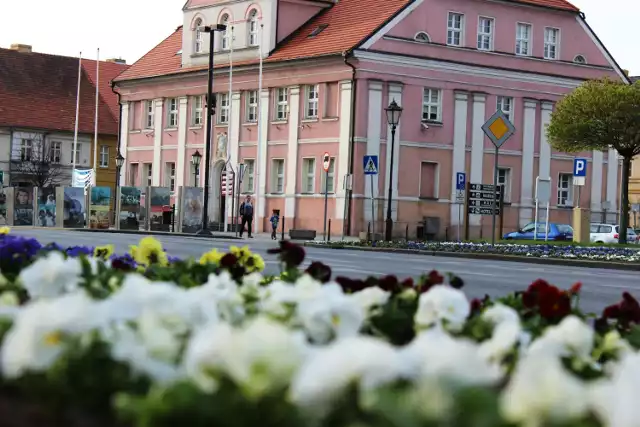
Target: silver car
[607, 233]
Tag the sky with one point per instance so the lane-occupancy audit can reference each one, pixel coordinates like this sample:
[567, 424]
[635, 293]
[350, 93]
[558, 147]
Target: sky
[129, 28]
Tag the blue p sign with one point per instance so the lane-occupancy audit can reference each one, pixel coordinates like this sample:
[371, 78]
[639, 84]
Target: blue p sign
[580, 167]
[461, 180]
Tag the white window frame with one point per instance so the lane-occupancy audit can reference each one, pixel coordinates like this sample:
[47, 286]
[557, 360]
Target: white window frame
[522, 41]
[504, 179]
[56, 152]
[436, 184]
[26, 149]
[568, 200]
[306, 175]
[172, 113]
[332, 177]
[170, 176]
[311, 101]
[428, 105]
[485, 39]
[251, 106]
[252, 28]
[281, 104]
[76, 153]
[223, 108]
[249, 178]
[148, 168]
[197, 108]
[548, 44]
[198, 43]
[453, 30]
[277, 176]
[149, 114]
[104, 156]
[225, 36]
[505, 103]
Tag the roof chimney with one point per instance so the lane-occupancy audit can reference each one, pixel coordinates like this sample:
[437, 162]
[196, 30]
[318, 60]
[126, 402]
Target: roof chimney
[117, 61]
[626, 72]
[22, 48]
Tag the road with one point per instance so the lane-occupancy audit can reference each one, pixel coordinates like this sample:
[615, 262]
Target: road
[601, 287]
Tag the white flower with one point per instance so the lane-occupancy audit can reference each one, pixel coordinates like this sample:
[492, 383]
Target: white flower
[500, 313]
[506, 333]
[571, 337]
[51, 276]
[613, 342]
[371, 297]
[221, 294]
[442, 304]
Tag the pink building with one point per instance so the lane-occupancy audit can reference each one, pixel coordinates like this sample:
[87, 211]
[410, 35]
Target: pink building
[329, 70]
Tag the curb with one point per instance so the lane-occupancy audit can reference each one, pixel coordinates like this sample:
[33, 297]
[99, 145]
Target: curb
[155, 233]
[565, 262]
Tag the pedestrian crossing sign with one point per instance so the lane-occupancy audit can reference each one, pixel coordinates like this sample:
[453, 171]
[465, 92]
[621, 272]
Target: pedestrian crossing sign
[370, 165]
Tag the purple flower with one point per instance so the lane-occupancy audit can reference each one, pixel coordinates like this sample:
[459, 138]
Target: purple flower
[76, 251]
[16, 248]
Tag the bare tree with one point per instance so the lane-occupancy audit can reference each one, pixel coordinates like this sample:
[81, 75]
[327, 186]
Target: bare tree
[38, 161]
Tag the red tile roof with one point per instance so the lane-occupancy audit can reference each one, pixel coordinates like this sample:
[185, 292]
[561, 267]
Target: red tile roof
[38, 91]
[108, 72]
[349, 22]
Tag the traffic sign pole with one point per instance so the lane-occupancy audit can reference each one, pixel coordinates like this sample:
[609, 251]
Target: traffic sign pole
[370, 167]
[495, 198]
[326, 162]
[373, 210]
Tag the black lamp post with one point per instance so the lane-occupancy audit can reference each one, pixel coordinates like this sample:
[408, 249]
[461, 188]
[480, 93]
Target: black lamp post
[195, 161]
[211, 29]
[119, 164]
[394, 111]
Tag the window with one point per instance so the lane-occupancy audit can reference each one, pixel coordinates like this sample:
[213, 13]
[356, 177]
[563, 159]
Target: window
[523, 39]
[485, 33]
[317, 30]
[505, 103]
[172, 113]
[580, 59]
[56, 152]
[428, 180]
[311, 98]
[148, 109]
[455, 26]
[26, 150]
[277, 177]
[170, 176]
[551, 41]
[196, 110]
[197, 37]
[251, 102]
[249, 176]
[253, 28]
[431, 108]
[223, 110]
[133, 174]
[282, 103]
[422, 37]
[226, 34]
[76, 152]
[504, 181]
[565, 189]
[308, 175]
[149, 173]
[104, 156]
[330, 180]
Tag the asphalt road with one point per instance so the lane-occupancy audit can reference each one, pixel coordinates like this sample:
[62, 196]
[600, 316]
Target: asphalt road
[601, 287]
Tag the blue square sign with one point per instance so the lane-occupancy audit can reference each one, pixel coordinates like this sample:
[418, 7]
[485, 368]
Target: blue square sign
[461, 180]
[370, 165]
[580, 167]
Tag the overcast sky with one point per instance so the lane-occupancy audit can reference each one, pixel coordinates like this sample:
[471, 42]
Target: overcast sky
[130, 28]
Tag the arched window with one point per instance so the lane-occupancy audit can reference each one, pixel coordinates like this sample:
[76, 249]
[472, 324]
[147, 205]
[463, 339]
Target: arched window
[422, 37]
[580, 59]
[226, 38]
[253, 28]
[197, 37]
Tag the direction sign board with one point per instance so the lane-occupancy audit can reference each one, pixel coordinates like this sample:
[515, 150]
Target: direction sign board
[326, 161]
[498, 128]
[481, 197]
[579, 171]
[484, 203]
[483, 211]
[370, 164]
[483, 187]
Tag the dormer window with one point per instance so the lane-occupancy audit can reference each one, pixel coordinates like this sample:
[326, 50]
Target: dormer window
[318, 30]
[197, 37]
[422, 37]
[253, 28]
[580, 59]
[226, 34]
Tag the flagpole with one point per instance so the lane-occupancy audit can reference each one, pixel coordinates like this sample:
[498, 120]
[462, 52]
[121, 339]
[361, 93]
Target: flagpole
[95, 131]
[227, 174]
[256, 171]
[75, 132]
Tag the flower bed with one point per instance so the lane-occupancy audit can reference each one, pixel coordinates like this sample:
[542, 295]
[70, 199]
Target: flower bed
[593, 253]
[92, 338]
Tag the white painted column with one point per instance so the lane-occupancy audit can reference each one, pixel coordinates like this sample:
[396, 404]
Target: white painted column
[262, 161]
[211, 206]
[124, 144]
[233, 147]
[544, 161]
[477, 148]
[292, 155]
[597, 166]
[613, 170]
[459, 143]
[182, 143]
[373, 145]
[344, 140]
[157, 142]
[527, 187]
[395, 93]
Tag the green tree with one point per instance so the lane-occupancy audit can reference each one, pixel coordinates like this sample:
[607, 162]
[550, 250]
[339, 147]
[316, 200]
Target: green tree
[596, 116]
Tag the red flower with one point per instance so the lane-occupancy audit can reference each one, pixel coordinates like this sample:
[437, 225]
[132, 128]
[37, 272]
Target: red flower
[434, 278]
[476, 306]
[550, 301]
[575, 288]
[389, 283]
[350, 285]
[290, 254]
[626, 312]
[407, 283]
[611, 312]
[319, 271]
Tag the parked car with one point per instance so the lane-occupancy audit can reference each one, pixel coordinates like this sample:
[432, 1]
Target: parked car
[608, 233]
[555, 232]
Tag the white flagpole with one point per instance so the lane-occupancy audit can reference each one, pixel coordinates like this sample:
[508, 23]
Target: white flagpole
[256, 170]
[229, 183]
[75, 132]
[95, 131]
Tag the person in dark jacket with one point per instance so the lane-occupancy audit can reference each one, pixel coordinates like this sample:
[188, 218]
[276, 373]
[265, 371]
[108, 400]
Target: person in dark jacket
[246, 213]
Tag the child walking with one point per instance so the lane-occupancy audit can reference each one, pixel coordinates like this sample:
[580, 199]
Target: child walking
[274, 224]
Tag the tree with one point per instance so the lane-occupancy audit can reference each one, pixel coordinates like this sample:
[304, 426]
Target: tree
[38, 161]
[598, 115]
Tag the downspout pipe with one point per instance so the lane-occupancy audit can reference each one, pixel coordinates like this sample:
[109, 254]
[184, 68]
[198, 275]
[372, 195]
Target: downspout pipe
[352, 132]
[113, 89]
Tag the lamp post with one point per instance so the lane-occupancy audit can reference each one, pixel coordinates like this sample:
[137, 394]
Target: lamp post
[394, 111]
[119, 164]
[195, 161]
[211, 29]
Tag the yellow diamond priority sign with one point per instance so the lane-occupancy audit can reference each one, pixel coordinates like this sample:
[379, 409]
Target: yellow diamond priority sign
[498, 128]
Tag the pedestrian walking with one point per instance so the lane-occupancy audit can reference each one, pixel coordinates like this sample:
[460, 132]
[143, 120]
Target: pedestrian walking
[274, 224]
[246, 213]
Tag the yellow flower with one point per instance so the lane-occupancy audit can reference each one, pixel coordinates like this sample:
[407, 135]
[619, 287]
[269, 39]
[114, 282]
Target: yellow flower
[254, 263]
[212, 257]
[241, 253]
[103, 252]
[4, 230]
[149, 252]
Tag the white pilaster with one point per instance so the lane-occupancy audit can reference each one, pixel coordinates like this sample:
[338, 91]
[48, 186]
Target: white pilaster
[477, 147]
[612, 182]
[233, 149]
[262, 161]
[292, 155]
[597, 161]
[395, 93]
[373, 143]
[459, 144]
[124, 143]
[157, 142]
[344, 139]
[528, 152]
[544, 161]
[182, 143]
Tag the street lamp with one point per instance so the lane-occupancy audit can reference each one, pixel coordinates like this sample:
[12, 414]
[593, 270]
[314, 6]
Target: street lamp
[119, 164]
[195, 161]
[211, 29]
[394, 111]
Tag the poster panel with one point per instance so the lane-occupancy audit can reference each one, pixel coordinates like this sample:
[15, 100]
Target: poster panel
[99, 208]
[46, 199]
[23, 207]
[4, 202]
[74, 207]
[129, 216]
[191, 209]
[159, 205]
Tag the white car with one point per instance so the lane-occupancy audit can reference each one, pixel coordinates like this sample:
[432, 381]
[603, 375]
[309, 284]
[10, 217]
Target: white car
[607, 233]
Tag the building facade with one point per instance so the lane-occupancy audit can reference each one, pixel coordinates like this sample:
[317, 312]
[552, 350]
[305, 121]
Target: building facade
[37, 120]
[329, 70]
